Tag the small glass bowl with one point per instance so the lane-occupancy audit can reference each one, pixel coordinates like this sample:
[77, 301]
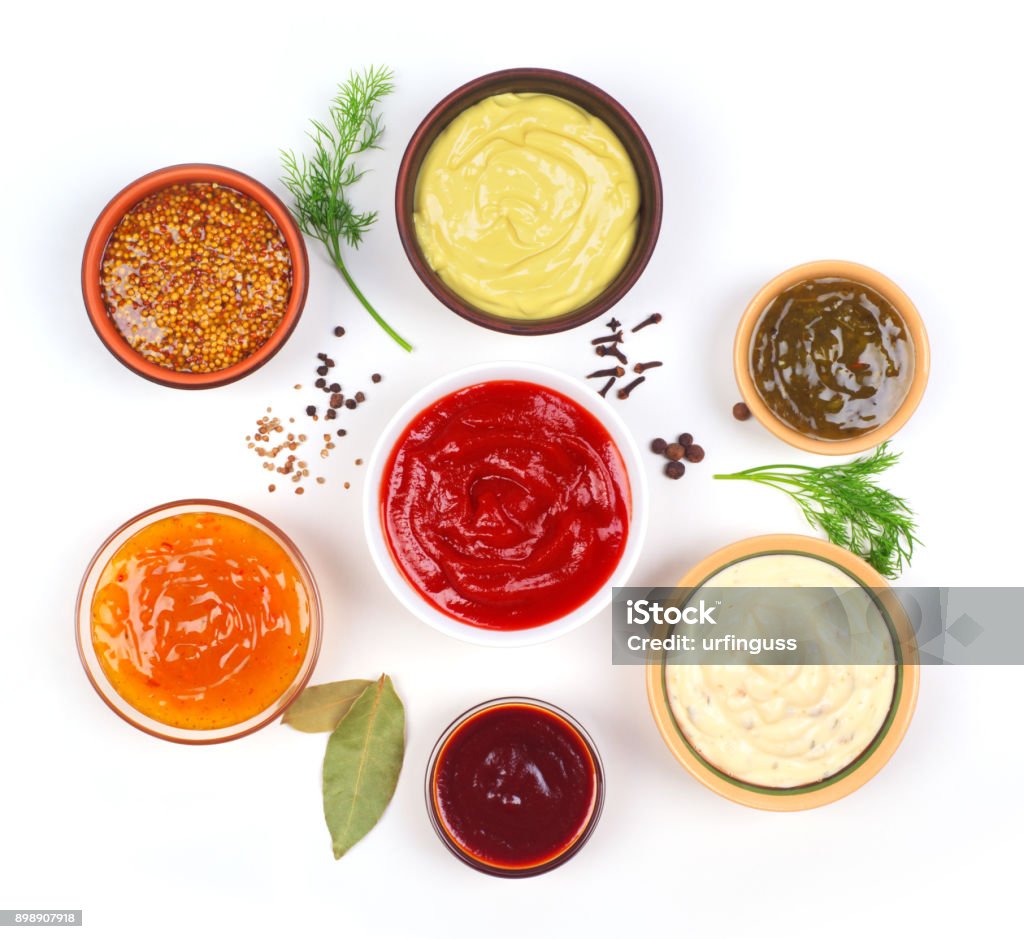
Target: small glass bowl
[94, 670]
[476, 863]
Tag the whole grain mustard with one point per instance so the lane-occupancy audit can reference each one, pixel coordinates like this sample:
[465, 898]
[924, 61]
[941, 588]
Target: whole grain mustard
[196, 277]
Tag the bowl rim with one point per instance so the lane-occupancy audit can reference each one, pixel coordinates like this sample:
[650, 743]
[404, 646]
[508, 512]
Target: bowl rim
[874, 756]
[851, 271]
[127, 199]
[469, 94]
[480, 373]
[149, 725]
[493, 869]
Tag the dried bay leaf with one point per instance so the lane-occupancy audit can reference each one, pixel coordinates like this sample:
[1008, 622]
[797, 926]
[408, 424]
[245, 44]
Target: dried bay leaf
[320, 708]
[362, 763]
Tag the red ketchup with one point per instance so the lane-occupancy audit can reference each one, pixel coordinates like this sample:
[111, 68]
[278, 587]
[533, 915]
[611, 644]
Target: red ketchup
[515, 787]
[506, 505]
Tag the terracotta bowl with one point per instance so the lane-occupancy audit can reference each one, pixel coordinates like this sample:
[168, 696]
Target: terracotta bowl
[129, 197]
[94, 670]
[886, 741]
[851, 271]
[593, 100]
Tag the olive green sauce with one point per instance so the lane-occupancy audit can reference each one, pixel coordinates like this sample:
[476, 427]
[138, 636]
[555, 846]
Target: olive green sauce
[831, 358]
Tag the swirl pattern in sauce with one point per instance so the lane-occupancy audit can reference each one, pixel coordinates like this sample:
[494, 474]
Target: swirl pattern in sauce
[527, 206]
[783, 726]
[506, 505]
[201, 620]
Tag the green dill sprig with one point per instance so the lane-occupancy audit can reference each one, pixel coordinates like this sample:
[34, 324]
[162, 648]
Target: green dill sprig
[319, 183]
[845, 503]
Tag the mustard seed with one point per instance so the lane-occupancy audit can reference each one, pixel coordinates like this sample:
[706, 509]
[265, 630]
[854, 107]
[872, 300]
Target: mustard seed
[196, 277]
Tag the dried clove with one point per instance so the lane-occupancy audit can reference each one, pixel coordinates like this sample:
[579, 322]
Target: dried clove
[650, 321]
[612, 350]
[624, 392]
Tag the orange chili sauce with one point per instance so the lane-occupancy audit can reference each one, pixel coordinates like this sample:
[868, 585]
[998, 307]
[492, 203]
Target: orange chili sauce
[201, 620]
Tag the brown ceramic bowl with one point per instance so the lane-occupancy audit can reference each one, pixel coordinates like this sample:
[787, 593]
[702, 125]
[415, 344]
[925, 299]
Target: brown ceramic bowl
[878, 752]
[851, 271]
[129, 197]
[593, 100]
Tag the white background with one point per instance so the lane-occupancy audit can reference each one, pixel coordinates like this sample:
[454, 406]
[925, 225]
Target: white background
[882, 133]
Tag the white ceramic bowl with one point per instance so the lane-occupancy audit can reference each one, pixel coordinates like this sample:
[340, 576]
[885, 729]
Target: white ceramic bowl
[587, 398]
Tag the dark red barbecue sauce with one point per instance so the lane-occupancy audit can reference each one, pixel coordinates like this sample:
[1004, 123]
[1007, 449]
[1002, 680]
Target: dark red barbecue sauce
[515, 786]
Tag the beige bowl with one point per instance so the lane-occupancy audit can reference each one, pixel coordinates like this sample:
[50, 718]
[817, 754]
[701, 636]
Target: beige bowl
[886, 741]
[851, 271]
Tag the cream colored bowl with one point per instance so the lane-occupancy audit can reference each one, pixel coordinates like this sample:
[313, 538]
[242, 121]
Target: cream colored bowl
[878, 752]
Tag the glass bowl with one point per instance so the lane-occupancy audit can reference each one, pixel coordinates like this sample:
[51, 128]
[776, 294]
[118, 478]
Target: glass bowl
[496, 870]
[94, 670]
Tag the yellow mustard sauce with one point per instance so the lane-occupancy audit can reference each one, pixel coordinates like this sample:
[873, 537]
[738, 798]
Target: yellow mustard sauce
[526, 206]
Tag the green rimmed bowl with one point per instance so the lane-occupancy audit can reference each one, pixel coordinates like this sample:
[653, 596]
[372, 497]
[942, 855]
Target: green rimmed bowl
[885, 742]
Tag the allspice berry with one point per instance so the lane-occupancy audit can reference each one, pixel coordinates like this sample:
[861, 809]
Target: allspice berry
[694, 453]
[674, 469]
[686, 439]
[675, 451]
[740, 411]
[658, 445]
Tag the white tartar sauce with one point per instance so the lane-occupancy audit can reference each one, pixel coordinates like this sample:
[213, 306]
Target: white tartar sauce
[783, 726]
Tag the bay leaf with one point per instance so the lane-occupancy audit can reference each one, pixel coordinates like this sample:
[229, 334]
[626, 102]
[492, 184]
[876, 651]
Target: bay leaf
[361, 766]
[320, 708]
